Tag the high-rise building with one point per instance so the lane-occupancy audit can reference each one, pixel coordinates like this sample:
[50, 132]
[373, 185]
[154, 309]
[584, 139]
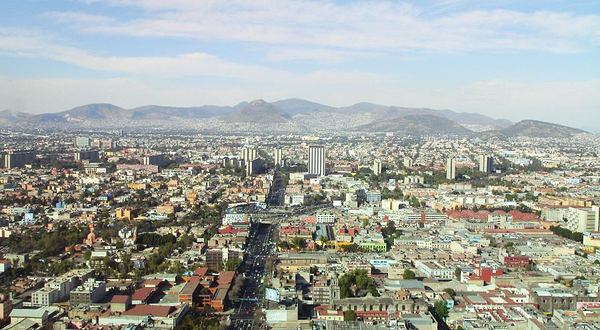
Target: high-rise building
[407, 162]
[451, 169]
[248, 154]
[91, 155]
[82, 141]
[18, 158]
[377, 168]
[316, 160]
[278, 156]
[158, 160]
[486, 163]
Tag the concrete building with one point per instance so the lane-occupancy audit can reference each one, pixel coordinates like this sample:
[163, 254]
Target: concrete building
[158, 160]
[377, 167]
[91, 291]
[486, 163]
[451, 169]
[82, 141]
[583, 219]
[19, 158]
[316, 160]
[90, 155]
[278, 157]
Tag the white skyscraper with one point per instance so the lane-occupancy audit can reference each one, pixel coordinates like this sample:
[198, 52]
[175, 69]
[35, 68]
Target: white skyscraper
[377, 168]
[278, 156]
[316, 160]
[486, 163]
[451, 169]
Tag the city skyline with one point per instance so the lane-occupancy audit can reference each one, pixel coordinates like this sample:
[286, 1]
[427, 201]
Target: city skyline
[502, 59]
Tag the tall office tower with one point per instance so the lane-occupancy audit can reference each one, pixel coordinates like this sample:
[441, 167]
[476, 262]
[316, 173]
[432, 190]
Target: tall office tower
[377, 167]
[486, 163]
[316, 160]
[82, 141]
[158, 160]
[451, 169]
[408, 162]
[278, 156]
[18, 158]
[248, 153]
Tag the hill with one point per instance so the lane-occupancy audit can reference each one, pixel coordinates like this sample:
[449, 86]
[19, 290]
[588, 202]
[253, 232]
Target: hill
[416, 125]
[541, 129]
[259, 112]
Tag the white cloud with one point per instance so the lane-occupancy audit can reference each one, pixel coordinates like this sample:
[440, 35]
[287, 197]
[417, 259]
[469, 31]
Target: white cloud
[362, 25]
[21, 43]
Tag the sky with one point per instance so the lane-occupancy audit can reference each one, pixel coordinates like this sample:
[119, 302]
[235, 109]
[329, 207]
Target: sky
[535, 59]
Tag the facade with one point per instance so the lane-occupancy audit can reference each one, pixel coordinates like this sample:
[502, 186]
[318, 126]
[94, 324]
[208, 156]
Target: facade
[433, 269]
[316, 160]
[91, 291]
[486, 163]
[82, 141]
[91, 155]
[451, 169]
[158, 160]
[19, 158]
[278, 156]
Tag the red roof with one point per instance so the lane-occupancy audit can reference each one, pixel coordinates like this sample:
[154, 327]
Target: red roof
[201, 271]
[119, 299]
[142, 294]
[143, 310]
[226, 277]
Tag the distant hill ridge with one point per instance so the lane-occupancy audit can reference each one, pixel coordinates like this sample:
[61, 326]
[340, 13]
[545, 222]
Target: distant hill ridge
[296, 112]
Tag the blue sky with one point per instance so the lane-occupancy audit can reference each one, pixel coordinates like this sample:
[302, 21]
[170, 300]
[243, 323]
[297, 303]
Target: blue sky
[507, 59]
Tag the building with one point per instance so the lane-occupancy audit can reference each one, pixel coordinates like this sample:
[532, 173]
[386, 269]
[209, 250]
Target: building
[90, 155]
[82, 141]
[316, 160]
[583, 219]
[377, 168]
[451, 169]
[433, 269]
[248, 153]
[19, 158]
[158, 160]
[486, 163]
[407, 162]
[91, 291]
[278, 156]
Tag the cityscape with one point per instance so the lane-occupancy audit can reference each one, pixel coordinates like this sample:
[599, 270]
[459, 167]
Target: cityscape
[299, 164]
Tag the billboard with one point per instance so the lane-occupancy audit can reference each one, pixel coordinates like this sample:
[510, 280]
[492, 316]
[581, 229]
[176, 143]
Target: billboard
[272, 294]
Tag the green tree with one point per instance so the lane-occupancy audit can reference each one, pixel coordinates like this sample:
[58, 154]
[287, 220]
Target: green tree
[441, 309]
[349, 315]
[409, 275]
[450, 291]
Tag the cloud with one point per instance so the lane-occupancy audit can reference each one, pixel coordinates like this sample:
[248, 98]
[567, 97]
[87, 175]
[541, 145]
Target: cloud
[359, 25]
[23, 43]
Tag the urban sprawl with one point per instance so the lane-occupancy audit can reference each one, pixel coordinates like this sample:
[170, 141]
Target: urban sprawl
[159, 230]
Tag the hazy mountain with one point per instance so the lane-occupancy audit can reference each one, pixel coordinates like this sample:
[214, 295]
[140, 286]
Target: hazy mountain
[378, 112]
[259, 112]
[536, 128]
[157, 112]
[416, 125]
[13, 116]
[296, 114]
[97, 111]
[298, 106]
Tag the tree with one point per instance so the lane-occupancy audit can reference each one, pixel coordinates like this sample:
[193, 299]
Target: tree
[441, 309]
[408, 275]
[349, 315]
[508, 245]
[457, 273]
[450, 291]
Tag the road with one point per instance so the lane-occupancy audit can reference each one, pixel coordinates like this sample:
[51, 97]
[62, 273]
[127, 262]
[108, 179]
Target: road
[253, 268]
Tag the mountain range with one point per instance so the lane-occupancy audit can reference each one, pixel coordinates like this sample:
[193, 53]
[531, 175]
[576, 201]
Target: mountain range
[292, 115]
